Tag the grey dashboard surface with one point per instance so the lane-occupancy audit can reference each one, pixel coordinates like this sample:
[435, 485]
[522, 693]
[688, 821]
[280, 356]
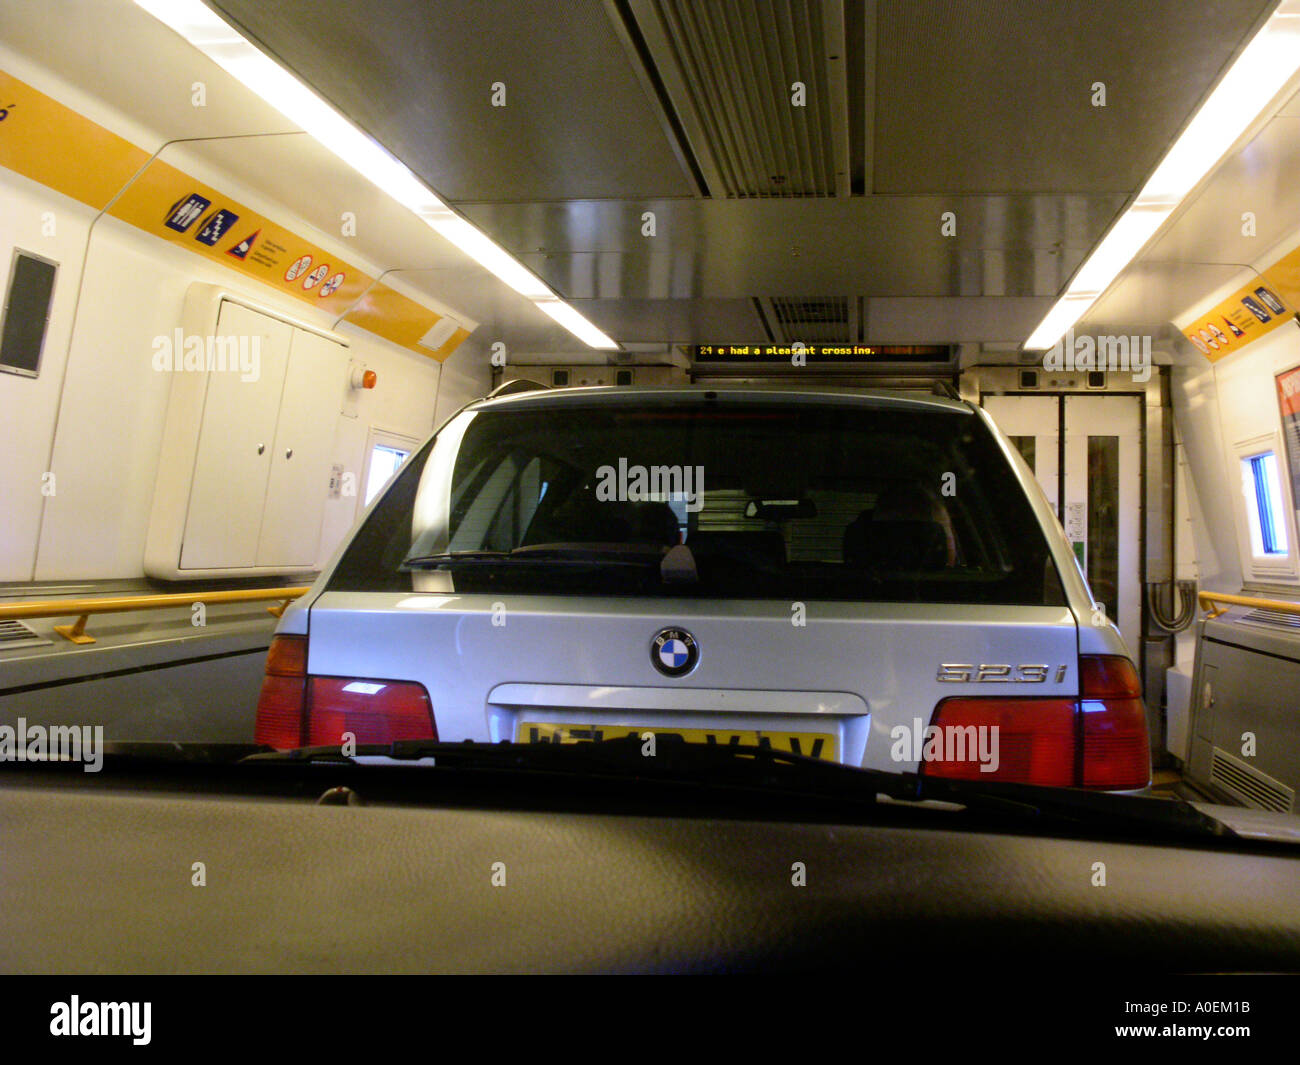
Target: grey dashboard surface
[105, 883]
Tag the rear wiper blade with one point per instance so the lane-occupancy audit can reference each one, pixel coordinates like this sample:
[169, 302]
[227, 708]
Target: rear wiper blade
[770, 770]
[456, 556]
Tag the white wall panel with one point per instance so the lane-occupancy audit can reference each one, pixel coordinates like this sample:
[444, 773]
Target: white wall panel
[115, 403]
[28, 405]
[1216, 405]
[1196, 411]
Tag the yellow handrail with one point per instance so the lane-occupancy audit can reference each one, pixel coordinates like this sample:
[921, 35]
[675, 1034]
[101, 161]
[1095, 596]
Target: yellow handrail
[1208, 598]
[83, 608]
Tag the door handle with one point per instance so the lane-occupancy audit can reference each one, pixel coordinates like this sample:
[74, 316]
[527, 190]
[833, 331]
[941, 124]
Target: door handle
[261, 448]
[288, 453]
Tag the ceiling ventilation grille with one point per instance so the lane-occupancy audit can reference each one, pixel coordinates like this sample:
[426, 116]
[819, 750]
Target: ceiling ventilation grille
[813, 321]
[16, 634]
[1248, 784]
[734, 66]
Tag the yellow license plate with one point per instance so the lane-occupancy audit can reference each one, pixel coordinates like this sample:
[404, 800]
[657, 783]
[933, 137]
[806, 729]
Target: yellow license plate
[814, 744]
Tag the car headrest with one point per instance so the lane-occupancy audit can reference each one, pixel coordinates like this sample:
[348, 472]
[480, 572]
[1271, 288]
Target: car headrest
[587, 520]
[582, 519]
[895, 545]
[655, 523]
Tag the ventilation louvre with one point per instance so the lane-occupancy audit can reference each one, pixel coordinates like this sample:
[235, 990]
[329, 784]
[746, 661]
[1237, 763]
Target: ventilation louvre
[813, 320]
[16, 634]
[1272, 618]
[737, 65]
[1247, 784]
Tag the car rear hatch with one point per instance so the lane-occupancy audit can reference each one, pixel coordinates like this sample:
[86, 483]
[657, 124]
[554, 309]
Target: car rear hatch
[857, 683]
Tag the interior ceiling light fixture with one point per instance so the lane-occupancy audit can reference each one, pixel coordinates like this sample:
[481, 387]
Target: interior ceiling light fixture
[1268, 62]
[244, 61]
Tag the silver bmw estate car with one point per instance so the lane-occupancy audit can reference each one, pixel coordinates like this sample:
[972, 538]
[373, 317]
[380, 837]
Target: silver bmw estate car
[869, 578]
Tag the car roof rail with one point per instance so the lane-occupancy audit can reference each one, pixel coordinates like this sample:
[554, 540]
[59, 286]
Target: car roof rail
[515, 386]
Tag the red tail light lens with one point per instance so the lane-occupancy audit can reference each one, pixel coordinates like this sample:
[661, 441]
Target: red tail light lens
[280, 708]
[297, 710]
[1098, 740]
[1116, 750]
[1036, 740]
[374, 711]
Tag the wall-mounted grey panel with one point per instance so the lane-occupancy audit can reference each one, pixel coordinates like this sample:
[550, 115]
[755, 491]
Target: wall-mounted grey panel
[1246, 713]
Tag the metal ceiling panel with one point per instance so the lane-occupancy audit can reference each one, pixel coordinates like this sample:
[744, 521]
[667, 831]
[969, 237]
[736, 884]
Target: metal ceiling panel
[996, 97]
[827, 248]
[962, 319]
[677, 321]
[419, 76]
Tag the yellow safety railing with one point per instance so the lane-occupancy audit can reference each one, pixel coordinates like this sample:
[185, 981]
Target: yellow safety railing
[81, 609]
[1208, 599]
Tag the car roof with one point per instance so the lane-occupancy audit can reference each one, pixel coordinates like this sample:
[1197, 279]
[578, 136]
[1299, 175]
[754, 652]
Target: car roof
[618, 395]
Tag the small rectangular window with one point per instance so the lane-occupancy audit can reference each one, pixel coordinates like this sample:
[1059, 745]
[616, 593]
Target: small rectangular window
[26, 313]
[1265, 507]
[384, 462]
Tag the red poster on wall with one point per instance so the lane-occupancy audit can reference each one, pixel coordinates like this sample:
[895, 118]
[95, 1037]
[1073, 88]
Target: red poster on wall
[1288, 401]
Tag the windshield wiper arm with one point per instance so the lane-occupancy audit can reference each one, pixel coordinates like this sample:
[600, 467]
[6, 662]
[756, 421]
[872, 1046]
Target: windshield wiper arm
[1078, 805]
[673, 756]
[783, 772]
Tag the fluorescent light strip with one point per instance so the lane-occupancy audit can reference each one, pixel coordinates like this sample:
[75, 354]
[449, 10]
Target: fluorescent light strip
[575, 323]
[476, 244]
[236, 55]
[1265, 65]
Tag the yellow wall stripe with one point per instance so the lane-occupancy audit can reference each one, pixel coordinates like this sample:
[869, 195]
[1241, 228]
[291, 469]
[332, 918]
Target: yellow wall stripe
[1265, 302]
[169, 204]
[387, 313]
[60, 148]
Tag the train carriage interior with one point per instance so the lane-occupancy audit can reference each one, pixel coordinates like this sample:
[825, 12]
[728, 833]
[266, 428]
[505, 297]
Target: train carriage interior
[720, 372]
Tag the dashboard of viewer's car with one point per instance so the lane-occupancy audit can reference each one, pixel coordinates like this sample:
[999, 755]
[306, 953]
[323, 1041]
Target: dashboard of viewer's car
[331, 867]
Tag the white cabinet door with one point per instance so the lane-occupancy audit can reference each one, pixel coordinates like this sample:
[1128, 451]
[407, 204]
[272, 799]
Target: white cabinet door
[304, 438]
[228, 489]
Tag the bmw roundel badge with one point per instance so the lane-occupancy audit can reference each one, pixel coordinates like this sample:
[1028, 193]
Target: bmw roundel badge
[674, 652]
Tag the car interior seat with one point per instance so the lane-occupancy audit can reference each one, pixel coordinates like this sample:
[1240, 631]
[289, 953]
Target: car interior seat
[907, 530]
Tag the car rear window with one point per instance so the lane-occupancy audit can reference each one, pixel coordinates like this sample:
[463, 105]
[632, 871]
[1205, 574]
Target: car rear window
[794, 502]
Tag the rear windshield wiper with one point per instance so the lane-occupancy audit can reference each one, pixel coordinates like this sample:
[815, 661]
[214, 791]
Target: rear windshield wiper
[765, 769]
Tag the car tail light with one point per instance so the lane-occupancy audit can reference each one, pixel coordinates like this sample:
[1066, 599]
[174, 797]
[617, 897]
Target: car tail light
[1116, 751]
[297, 709]
[1097, 740]
[1036, 740]
[375, 711]
[281, 704]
